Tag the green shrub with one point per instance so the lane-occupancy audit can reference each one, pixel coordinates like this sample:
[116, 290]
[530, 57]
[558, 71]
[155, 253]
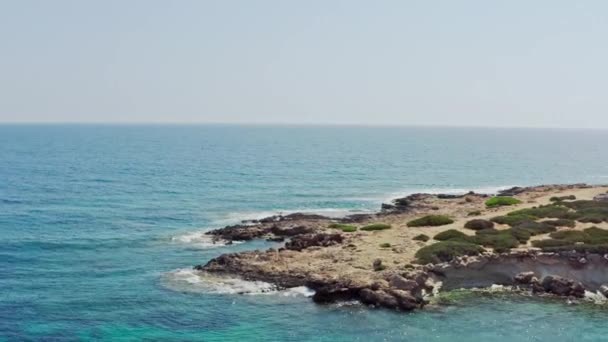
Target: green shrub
[522, 235]
[593, 215]
[567, 240]
[376, 226]
[498, 201]
[430, 220]
[548, 243]
[445, 251]
[585, 204]
[544, 211]
[536, 228]
[562, 198]
[474, 213]
[421, 237]
[513, 220]
[347, 228]
[561, 223]
[385, 245]
[479, 224]
[451, 234]
[499, 240]
[597, 235]
[570, 236]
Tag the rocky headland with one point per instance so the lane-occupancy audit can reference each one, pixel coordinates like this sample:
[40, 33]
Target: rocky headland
[545, 240]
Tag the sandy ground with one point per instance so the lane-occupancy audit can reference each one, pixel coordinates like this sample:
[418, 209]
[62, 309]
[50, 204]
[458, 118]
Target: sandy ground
[354, 258]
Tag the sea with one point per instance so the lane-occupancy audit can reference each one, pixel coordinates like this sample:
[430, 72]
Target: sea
[100, 226]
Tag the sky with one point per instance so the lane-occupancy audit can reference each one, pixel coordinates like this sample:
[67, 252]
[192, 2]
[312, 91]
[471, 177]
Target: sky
[515, 63]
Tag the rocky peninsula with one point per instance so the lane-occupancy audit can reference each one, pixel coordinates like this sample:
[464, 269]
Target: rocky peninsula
[546, 240]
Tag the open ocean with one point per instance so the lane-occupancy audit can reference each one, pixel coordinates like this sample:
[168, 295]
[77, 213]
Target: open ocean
[99, 227]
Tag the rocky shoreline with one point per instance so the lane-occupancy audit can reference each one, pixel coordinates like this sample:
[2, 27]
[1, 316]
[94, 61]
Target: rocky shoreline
[340, 264]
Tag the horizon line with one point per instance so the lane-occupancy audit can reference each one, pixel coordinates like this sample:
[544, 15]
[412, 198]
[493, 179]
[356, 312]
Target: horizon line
[284, 124]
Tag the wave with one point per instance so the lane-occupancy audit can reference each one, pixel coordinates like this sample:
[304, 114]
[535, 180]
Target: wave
[200, 240]
[190, 280]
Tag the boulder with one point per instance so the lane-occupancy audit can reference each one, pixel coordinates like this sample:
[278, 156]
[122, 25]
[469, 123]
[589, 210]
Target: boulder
[398, 282]
[601, 198]
[604, 290]
[563, 287]
[524, 278]
[377, 265]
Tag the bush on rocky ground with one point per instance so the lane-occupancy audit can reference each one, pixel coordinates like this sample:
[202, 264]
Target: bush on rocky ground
[499, 201]
[445, 251]
[479, 224]
[376, 226]
[430, 220]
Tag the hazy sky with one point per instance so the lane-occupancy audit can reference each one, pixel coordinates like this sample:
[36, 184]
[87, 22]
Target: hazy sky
[473, 63]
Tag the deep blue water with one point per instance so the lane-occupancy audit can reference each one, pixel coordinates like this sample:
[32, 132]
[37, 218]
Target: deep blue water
[96, 225]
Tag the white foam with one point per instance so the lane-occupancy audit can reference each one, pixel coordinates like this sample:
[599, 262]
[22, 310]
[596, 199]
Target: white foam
[595, 297]
[190, 280]
[200, 240]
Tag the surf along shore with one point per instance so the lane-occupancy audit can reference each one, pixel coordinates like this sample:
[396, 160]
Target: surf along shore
[547, 240]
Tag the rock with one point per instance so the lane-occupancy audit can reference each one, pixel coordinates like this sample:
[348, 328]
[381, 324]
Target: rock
[563, 287]
[604, 290]
[516, 190]
[276, 239]
[601, 198]
[330, 294]
[377, 265]
[378, 298]
[290, 231]
[524, 278]
[392, 299]
[405, 300]
[302, 216]
[301, 242]
[401, 283]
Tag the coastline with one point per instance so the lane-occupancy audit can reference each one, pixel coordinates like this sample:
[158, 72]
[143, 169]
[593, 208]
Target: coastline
[379, 267]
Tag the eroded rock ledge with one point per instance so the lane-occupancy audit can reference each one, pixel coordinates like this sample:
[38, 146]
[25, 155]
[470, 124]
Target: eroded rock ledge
[376, 267]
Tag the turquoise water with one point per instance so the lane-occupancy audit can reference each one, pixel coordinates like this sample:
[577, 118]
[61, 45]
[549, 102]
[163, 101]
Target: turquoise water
[98, 226]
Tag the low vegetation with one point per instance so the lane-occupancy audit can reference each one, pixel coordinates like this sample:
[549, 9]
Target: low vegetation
[421, 237]
[561, 223]
[592, 240]
[513, 220]
[499, 240]
[347, 228]
[451, 234]
[376, 226]
[446, 251]
[474, 213]
[544, 211]
[385, 245]
[479, 224]
[430, 220]
[499, 201]
[562, 198]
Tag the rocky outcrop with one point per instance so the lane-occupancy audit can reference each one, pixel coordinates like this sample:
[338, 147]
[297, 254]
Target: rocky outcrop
[561, 274]
[601, 198]
[301, 242]
[563, 287]
[272, 228]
